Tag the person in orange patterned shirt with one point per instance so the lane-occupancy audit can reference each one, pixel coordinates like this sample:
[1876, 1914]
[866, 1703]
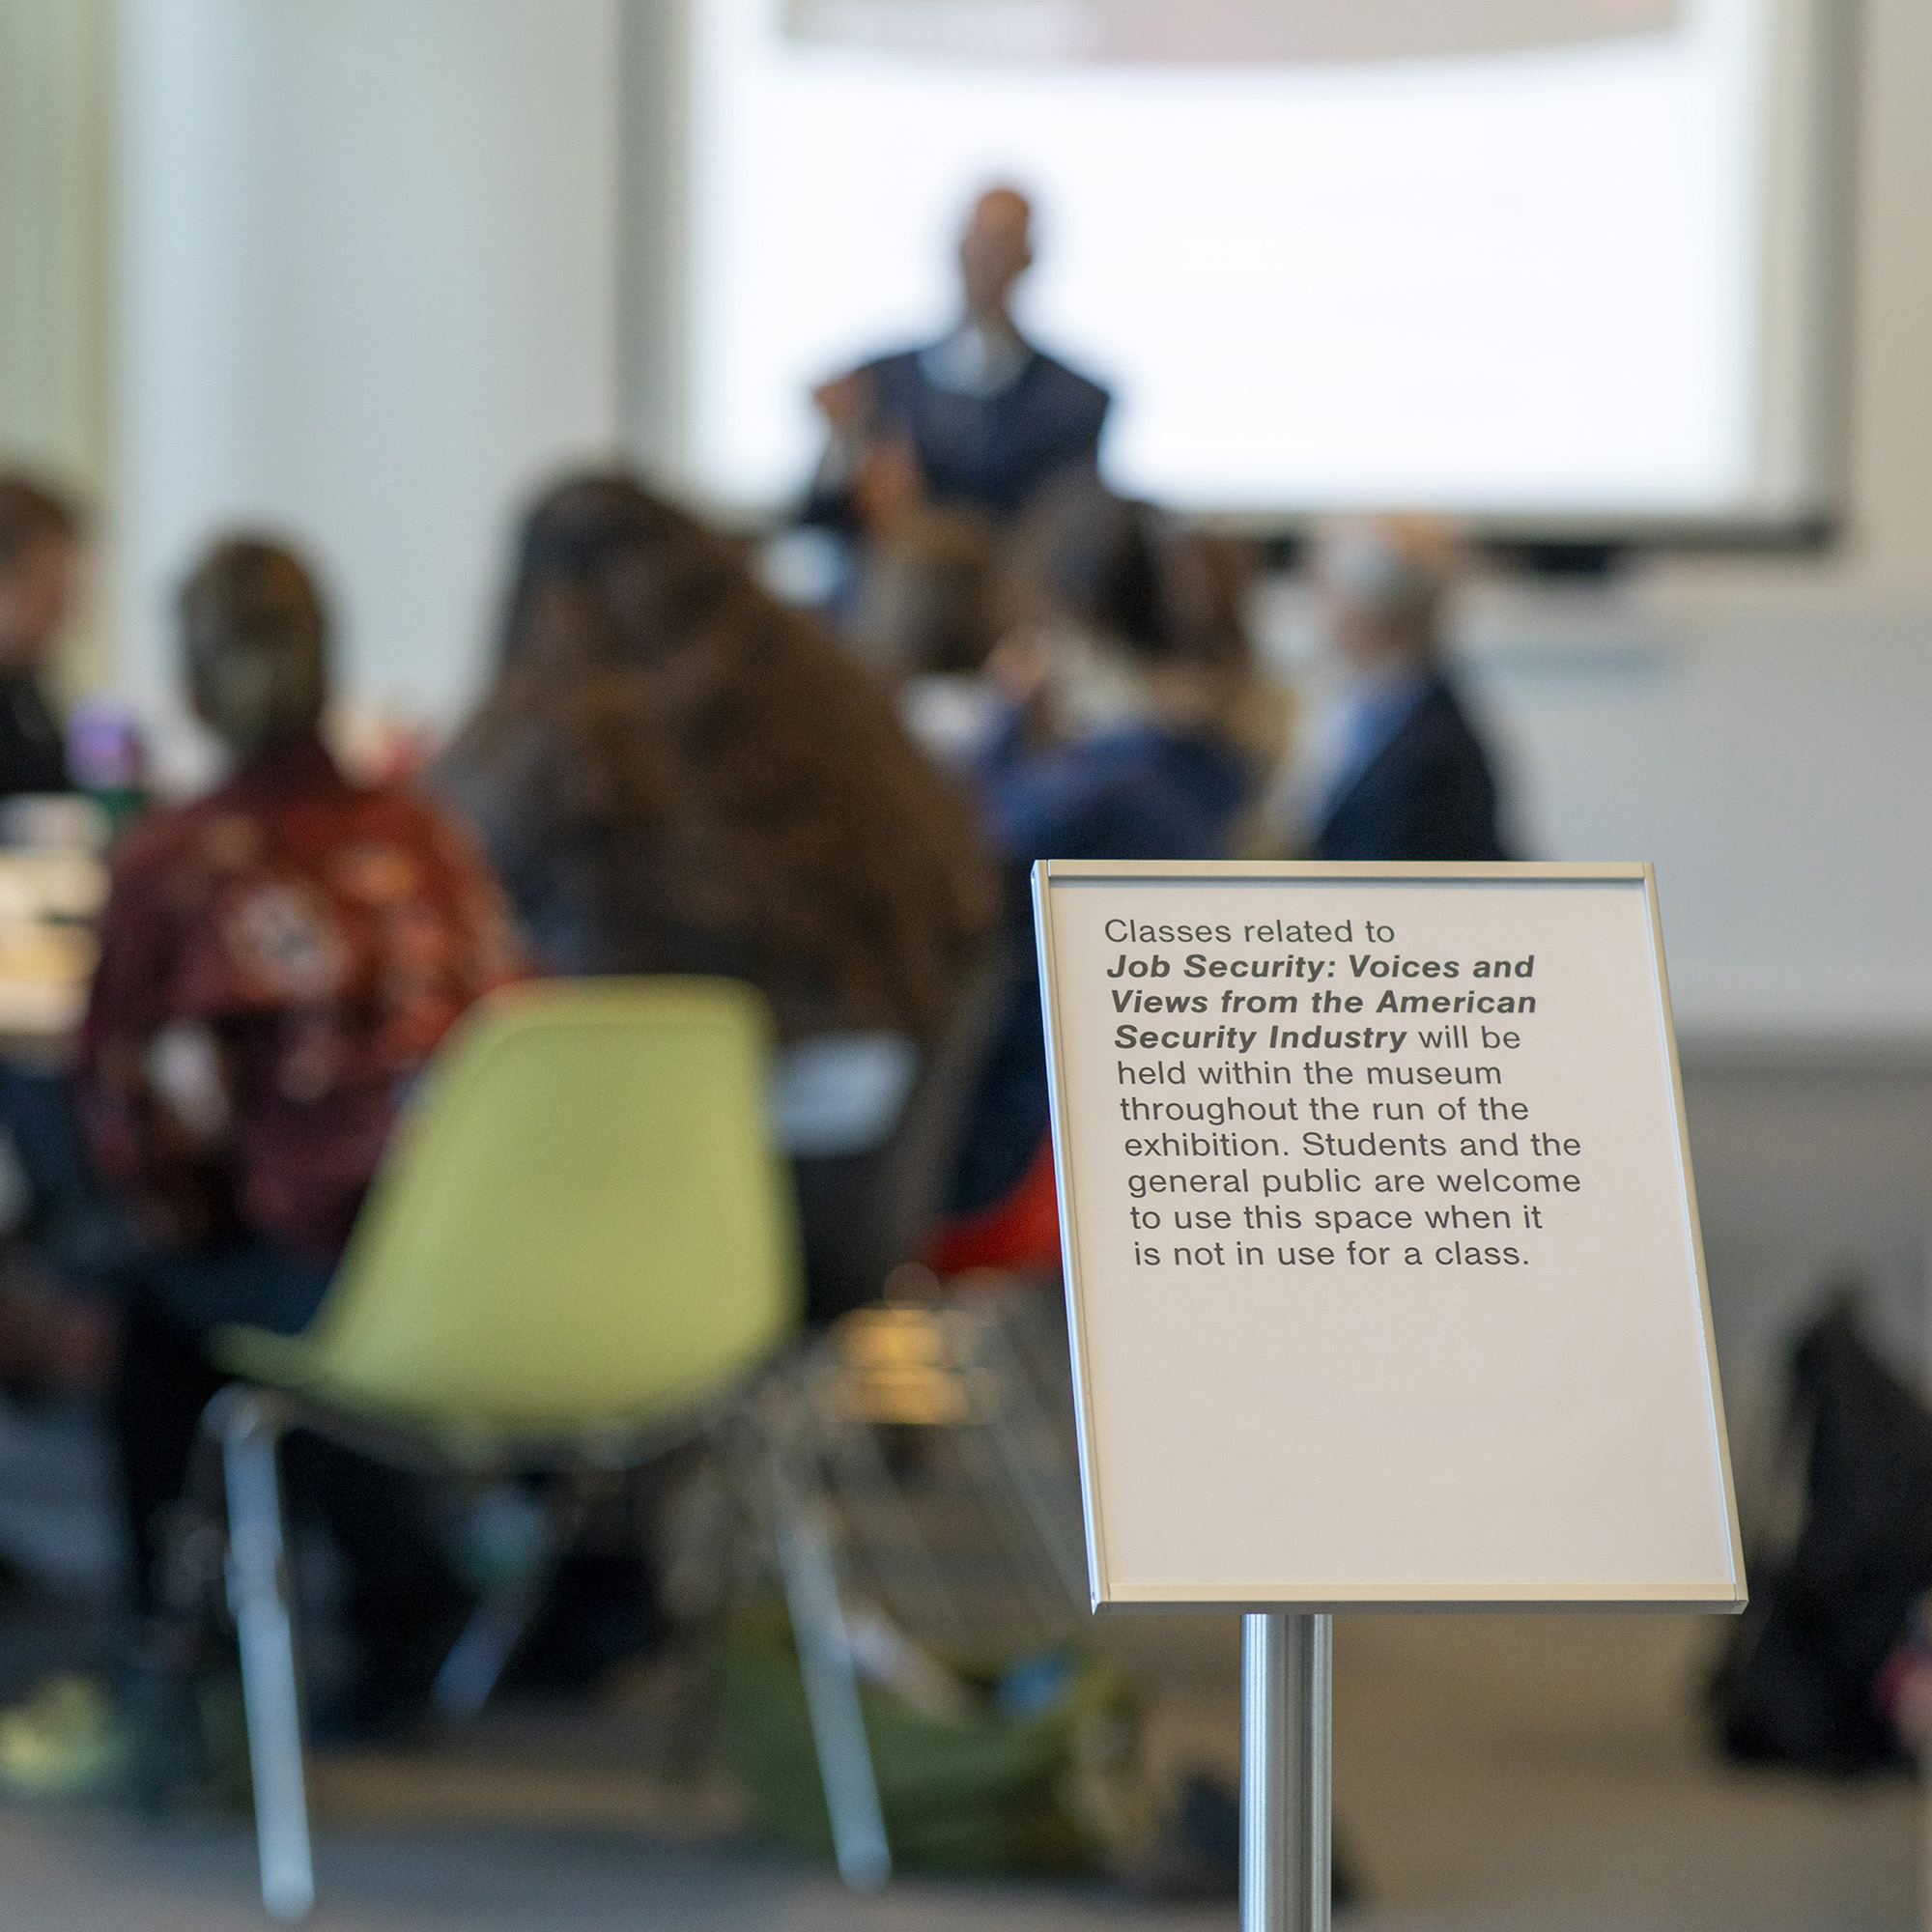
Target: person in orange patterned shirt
[278, 961]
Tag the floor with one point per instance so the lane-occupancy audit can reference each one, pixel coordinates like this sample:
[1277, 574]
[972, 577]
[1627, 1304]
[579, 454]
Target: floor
[1491, 1772]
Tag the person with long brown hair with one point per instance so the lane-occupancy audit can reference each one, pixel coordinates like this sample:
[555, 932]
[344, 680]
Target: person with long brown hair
[674, 771]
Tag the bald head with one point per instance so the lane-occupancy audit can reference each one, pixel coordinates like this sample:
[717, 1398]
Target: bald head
[995, 252]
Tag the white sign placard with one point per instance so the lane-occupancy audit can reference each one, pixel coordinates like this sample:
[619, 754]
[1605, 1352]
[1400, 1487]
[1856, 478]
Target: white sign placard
[1382, 1259]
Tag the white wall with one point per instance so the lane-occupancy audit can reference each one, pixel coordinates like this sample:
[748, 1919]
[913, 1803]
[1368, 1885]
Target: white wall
[1763, 730]
[1774, 766]
[368, 294]
[54, 254]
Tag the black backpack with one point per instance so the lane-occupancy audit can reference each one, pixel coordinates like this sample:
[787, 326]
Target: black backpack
[1796, 1685]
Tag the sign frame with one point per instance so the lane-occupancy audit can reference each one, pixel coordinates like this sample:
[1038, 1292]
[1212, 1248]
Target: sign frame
[1107, 1593]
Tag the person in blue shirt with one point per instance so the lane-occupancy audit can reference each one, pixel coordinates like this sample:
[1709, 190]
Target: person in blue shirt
[1404, 776]
[1121, 740]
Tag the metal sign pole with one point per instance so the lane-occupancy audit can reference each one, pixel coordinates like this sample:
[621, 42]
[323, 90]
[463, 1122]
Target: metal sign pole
[1287, 1682]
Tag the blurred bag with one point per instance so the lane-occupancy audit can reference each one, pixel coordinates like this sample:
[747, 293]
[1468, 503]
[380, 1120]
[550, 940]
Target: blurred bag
[1797, 1685]
[985, 1793]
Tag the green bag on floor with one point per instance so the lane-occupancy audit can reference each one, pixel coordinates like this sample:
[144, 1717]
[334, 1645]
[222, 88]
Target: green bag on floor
[985, 1796]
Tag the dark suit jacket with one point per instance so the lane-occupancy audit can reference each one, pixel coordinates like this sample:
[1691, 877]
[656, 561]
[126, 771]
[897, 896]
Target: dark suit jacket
[1427, 794]
[994, 451]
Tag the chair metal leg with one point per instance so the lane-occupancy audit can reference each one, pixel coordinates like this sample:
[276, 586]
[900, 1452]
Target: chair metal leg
[469, 1672]
[248, 1430]
[477, 1659]
[832, 1696]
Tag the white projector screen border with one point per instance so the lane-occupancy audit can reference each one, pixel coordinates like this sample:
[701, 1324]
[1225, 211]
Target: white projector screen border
[1220, 30]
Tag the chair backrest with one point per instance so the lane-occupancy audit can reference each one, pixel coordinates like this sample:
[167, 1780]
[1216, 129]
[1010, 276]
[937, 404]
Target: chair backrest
[580, 1223]
[864, 1213]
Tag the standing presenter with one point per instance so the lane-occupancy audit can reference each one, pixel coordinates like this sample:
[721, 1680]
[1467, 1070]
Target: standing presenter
[980, 418]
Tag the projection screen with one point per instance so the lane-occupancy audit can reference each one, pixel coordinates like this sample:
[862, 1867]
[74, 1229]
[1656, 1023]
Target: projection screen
[1559, 265]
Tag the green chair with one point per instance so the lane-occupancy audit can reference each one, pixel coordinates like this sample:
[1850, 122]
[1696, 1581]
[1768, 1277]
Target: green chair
[581, 1247]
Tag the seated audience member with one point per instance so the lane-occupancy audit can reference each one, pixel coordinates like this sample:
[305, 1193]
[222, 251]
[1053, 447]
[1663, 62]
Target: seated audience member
[929, 610]
[980, 418]
[1123, 738]
[278, 961]
[678, 773]
[675, 773]
[40, 553]
[1404, 777]
[45, 1340]
[929, 603]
